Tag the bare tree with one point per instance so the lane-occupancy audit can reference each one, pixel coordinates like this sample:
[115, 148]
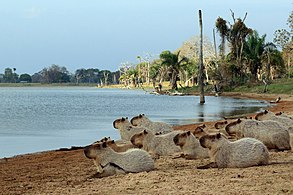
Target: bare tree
[200, 73]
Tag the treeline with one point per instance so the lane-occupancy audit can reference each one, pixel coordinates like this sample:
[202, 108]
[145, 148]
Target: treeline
[59, 74]
[244, 56]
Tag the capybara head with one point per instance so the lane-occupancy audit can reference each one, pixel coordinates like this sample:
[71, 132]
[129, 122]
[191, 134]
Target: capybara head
[258, 115]
[207, 141]
[117, 123]
[92, 151]
[110, 143]
[136, 120]
[220, 124]
[230, 128]
[137, 139]
[202, 126]
[180, 139]
[198, 132]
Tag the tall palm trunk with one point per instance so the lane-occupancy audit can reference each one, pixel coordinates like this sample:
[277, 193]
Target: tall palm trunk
[215, 44]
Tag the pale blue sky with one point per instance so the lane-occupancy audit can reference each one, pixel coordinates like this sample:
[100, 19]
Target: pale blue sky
[105, 33]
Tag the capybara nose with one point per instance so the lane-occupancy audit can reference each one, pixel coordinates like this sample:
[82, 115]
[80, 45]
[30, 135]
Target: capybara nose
[201, 141]
[86, 151]
[227, 129]
[132, 140]
[175, 139]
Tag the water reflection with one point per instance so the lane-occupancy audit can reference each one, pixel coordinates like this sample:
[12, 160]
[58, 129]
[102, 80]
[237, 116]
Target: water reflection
[201, 112]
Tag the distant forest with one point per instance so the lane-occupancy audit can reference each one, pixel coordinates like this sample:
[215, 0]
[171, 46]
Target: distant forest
[60, 74]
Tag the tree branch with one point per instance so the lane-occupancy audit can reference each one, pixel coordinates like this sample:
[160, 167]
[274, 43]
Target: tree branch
[245, 17]
[232, 13]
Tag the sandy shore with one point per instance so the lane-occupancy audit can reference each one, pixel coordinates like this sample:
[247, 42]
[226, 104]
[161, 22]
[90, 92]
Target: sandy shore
[69, 172]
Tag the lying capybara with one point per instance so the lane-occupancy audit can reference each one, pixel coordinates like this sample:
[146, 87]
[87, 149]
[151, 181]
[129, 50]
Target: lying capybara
[190, 146]
[126, 129]
[245, 152]
[143, 121]
[272, 133]
[158, 145]
[198, 132]
[109, 162]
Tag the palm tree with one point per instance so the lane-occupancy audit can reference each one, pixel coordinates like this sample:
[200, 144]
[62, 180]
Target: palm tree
[236, 37]
[174, 63]
[133, 76]
[223, 29]
[253, 52]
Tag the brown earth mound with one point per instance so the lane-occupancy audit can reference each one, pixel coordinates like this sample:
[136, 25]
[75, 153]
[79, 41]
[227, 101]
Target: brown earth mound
[69, 172]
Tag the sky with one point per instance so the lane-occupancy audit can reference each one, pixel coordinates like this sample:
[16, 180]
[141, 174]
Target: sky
[105, 34]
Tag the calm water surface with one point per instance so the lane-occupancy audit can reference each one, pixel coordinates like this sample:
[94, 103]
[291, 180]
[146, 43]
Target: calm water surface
[36, 119]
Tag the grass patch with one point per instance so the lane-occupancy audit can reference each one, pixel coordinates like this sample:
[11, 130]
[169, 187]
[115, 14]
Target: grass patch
[280, 86]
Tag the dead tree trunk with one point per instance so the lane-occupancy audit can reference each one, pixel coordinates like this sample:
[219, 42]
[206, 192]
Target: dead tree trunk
[200, 71]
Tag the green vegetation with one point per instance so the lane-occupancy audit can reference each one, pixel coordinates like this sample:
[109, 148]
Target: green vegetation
[279, 86]
[246, 64]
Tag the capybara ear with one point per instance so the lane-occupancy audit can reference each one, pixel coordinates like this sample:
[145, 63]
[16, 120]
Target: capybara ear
[239, 120]
[188, 133]
[104, 144]
[123, 119]
[218, 135]
[140, 116]
[265, 112]
[203, 125]
[112, 141]
[145, 132]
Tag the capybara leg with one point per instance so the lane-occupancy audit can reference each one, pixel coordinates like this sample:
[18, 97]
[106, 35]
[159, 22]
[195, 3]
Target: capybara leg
[110, 170]
[178, 155]
[210, 165]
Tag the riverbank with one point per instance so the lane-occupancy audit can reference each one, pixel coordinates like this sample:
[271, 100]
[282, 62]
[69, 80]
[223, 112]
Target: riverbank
[69, 172]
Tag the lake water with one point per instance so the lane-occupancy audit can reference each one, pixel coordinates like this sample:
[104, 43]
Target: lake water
[35, 119]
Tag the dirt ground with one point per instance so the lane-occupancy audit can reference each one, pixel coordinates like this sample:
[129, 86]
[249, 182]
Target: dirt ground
[69, 172]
